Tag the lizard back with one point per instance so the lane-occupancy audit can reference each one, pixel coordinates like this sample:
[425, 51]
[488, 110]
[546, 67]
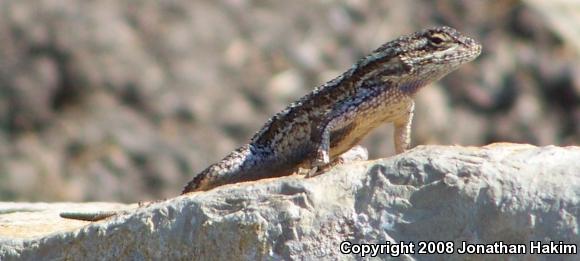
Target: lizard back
[376, 89]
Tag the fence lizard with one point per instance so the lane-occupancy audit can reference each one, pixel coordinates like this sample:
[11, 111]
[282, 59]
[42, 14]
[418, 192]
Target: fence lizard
[315, 130]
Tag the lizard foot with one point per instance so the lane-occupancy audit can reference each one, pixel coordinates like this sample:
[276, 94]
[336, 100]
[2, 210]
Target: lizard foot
[322, 158]
[356, 153]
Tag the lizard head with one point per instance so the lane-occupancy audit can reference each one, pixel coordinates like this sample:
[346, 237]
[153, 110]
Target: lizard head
[439, 50]
[425, 56]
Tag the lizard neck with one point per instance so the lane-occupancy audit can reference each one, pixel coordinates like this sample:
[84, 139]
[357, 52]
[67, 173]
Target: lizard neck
[411, 87]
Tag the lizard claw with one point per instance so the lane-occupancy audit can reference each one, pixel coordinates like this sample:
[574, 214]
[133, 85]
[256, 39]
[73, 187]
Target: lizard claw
[322, 158]
[320, 163]
[312, 172]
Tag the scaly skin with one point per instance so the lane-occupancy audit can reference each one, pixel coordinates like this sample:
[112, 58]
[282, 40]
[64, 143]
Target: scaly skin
[314, 131]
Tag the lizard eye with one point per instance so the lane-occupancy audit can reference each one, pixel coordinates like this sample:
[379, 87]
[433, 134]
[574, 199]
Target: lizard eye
[437, 39]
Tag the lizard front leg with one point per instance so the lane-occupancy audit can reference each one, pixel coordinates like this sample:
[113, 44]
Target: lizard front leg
[344, 114]
[403, 129]
[365, 104]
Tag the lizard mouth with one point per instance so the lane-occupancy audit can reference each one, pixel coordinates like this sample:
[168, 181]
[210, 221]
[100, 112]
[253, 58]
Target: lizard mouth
[446, 52]
[458, 53]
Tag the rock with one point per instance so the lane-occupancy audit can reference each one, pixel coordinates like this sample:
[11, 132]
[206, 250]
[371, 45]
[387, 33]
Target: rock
[95, 95]
[502, 192]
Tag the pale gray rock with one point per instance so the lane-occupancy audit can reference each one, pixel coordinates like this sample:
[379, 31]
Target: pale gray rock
[96, 95]
[502, 192]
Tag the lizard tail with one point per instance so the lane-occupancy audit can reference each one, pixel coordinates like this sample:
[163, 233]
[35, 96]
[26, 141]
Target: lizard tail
[96, 216]
[195, 183]
[228, 170]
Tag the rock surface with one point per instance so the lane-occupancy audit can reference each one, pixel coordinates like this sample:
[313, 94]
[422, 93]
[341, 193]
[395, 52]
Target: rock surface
[95, 95]
[502, 192]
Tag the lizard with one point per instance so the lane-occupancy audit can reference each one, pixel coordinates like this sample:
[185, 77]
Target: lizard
[314, 131]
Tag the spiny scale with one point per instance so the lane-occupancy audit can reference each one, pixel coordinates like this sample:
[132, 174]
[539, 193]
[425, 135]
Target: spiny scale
[314, 131]
[334, 117]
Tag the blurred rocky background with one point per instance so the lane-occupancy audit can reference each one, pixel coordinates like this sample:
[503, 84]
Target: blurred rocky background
[127, 100]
